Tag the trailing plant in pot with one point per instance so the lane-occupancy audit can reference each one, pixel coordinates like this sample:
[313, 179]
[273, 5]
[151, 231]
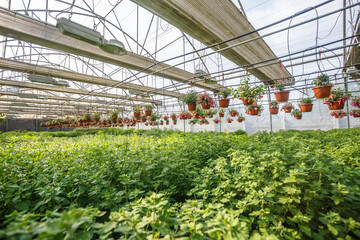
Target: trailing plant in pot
[274, 107]
[190, 99]
[233, 112]
[185, 115]
[322, 86]
[148, 110]
[355, 113]
[229, 120]
[114, 114]
[203, 121]
[166, 117]
[167, 121]
[216, 120]
[287, 107]
[211, 112]
[174, 121]
[154, 116]
[306, 104]
[297, 113]
[281, 95]
[193, 121]
[173, 116]
[221, 113]
[254, 109]
[137, 111]
[337, 99]
[206, 101]
[355, 102]
[223, 95]
[240, 118]
[338, 114]
[199, 112]
[248, 94]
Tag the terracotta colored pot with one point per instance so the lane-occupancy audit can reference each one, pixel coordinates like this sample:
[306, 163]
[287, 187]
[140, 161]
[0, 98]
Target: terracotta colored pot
[355, 116]
[192, 107]
[274, 111]
[196, 116]
[336, 116]
[306, 107]
[137, 114]
[166, 118]
[298, 117]
[205, 106]
[161, 123]
[248, 102]
[287, 110]
[221, 114]
[173, 118]
[174, 123]
[167, 123]
[114, 117]
[148, 113]
[210, 116]
[254, 111]
[336, 105]
[233, 114]
[322, 91]
[282, 96]
[239, 120]
[143, 119]
[224, 103]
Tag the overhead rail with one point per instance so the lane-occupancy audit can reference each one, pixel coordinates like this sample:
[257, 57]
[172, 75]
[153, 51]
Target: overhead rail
[30, 30]
[79, 77]
[61, 89]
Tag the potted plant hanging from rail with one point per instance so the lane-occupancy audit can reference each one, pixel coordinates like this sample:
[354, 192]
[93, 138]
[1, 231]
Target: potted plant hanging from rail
[297, 114]
[274, 107]
[248, 94]
[137, 111]
[190, 99]
[223, 95]
[254, 109]
[148, 110]
[306, 104]
[337, 99]
[281, 95]
[287, 107]
[322, 86]
[206, 101]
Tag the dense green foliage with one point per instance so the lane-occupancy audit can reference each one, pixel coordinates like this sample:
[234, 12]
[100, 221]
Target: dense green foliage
[130, 184]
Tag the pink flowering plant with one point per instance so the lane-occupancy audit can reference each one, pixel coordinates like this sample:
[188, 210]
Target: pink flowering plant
[337, 95]
[216, 120]
[254, 106]
[229, 120]
[355, 101]
[287, 105]
[355, 113]
[338, 114]
[185, 115]
[247, 92]
[206, 100]
[233, 112]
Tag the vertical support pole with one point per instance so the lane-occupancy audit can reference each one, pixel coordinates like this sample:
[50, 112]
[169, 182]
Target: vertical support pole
[47, 9]
[269, 97]
[184, 125]
[344, 54]
[137, 28]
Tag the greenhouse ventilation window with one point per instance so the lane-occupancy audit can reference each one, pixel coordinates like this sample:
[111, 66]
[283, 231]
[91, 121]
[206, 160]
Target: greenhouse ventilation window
[78, 31]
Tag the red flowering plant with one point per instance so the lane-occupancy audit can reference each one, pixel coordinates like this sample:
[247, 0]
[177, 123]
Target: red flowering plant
[337, 95]
[204, 121]
[241, 118]
[355, 113]
[355, 101]
[287, 105]
[206, 100]
[216, 120]
[185, 115]
[254, 106]
[247, 92]
[229, 120]
[338, 114]
[233, 112]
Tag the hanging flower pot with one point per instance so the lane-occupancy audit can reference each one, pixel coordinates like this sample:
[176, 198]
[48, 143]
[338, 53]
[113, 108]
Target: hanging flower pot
[336, 105]
[338, 114]
[216, 121]
[233, 113]
[322, 91]
[221, 114]
[287, 107]
[355, 113]
[143, 118]
[248, 102]
[240, 119]
[174, 122]
[282, 96]
[229, 120]
[166, 118]
[224, 103]
[298, 117]
[192, 107]
[173, 116]
[355, 102]
[148, 113]
[205, 106]
[274, 111]
[306, 107]
[254, 111]
[297, 114]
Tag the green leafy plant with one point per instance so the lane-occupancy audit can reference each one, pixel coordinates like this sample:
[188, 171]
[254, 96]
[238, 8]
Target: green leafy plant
[190, 98]
[305, 100]
[321, 80]
[280, 86]
[224, 93]
[148, 107]
[274, 104]
[296, 112]
[337, 95]
[137, 108]
[247, 92]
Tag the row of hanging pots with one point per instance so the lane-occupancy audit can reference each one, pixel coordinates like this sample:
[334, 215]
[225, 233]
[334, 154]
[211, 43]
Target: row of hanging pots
[223, 103]
[147, 113]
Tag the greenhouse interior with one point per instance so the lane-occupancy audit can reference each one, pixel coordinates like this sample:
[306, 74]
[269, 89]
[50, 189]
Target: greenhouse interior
[170, 119]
